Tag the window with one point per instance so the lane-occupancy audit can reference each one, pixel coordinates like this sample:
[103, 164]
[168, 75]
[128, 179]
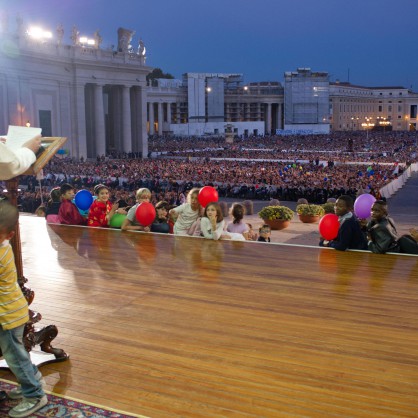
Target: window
[413, 112]
[45, 122]
[380, 108]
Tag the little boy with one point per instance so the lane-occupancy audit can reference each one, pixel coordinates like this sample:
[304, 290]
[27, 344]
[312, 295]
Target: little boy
[130, 223]
[68, 213]
[265, 232]
[14, 313]
[160, 223]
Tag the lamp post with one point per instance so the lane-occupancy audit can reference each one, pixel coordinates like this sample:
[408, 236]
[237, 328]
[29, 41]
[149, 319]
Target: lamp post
[366, 125]
[383, 122]
[354, 119]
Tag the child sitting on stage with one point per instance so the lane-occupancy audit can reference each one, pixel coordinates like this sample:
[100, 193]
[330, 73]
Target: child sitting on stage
[160, 223]
[238, 225]
[130, 223]
[265, 233]
[68, 213]
[186, 214]
[212, 224]
[53, 206]
[101, 210]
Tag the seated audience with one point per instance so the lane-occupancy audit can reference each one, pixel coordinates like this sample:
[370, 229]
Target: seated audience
[350, 235]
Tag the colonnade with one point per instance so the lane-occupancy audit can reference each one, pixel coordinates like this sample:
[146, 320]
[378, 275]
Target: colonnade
[110, 117]
[161, 114]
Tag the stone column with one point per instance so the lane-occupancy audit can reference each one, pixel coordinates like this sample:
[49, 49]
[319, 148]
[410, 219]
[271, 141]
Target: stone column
[160, 118]
[151, 118]
[141, 120]
[279, 116]
[268, 119]
[169, 114]
[79, 123]
[64, 119]
[126, 119]
[100, 132]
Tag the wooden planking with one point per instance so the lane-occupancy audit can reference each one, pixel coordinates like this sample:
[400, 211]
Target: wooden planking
[174, 326]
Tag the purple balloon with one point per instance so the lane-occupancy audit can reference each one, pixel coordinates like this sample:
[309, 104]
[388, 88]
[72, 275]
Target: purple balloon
[363, 205]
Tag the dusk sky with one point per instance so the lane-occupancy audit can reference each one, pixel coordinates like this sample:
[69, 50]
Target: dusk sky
[373, 42]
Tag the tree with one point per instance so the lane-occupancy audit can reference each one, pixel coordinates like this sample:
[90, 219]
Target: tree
[157, 73]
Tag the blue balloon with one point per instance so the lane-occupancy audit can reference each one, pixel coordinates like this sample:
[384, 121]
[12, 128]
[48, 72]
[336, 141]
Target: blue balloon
[83, 199]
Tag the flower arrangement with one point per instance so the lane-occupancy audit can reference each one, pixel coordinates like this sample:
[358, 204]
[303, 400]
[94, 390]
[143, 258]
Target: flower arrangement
[276, 212]
[328, 207]
[310, 210]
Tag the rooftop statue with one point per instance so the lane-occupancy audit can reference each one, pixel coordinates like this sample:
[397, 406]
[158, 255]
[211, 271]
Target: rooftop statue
[74, 35]
[141, 48]
[124, 39]
[97, 39]
[60, 34]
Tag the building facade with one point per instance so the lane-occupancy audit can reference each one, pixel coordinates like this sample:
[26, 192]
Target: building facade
[307, 101]
[94, 97]
[358, 108]
[101, 101]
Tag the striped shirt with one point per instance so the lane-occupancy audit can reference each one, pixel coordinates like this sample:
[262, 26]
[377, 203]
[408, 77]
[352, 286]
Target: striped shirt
[14, 310]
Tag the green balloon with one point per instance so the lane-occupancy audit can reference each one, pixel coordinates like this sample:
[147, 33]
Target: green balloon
[117, 220]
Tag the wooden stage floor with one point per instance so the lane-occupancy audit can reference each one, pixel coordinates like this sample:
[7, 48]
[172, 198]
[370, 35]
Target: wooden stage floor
[168, 326]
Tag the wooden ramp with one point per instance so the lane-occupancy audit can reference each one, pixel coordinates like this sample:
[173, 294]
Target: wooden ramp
[169, 326]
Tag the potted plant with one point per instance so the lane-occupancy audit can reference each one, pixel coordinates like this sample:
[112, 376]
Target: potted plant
[278, 217]
[329, 207]
[309, 213]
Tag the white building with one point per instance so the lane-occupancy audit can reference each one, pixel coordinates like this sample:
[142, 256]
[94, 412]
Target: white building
[100, 100]
[94, 97]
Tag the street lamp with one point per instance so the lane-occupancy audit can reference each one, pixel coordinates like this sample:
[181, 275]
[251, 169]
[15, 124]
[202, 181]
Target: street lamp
[354, 118]
[383, 122]
[366, 125]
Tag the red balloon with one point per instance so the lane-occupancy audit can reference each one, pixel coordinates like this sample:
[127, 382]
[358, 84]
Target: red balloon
[329, 226]
[145, 213]
[207, 195]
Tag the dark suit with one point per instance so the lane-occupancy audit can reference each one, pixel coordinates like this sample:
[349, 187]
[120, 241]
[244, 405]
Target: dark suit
[384, 237]
[350, 236]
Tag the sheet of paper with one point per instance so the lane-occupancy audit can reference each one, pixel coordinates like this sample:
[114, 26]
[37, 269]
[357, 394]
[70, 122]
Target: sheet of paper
[18, 135]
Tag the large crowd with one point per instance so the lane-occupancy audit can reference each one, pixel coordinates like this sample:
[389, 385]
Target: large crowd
[272, 167]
